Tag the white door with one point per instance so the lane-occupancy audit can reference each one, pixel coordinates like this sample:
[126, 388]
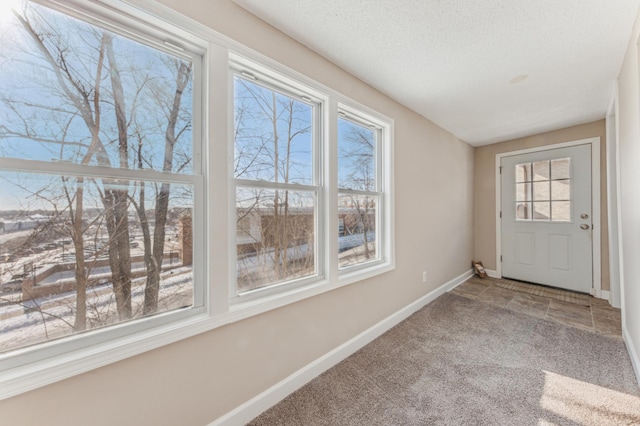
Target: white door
[546, 218]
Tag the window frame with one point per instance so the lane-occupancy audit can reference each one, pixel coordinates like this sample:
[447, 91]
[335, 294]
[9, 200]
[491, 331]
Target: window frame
[359, 118]
[240, 67]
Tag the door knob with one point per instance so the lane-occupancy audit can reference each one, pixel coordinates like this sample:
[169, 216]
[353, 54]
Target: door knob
[584, 216]
[584, 226]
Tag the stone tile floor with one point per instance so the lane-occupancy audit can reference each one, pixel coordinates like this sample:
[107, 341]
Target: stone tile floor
[599, 317]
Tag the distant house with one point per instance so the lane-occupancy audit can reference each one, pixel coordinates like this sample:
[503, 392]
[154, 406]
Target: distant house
[23, 223]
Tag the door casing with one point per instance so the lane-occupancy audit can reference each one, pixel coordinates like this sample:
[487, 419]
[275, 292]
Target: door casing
[595, 197]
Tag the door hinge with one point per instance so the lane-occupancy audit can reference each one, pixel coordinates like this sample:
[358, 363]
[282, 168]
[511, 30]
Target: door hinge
[500, 258]
[500, 215]
[500, 169]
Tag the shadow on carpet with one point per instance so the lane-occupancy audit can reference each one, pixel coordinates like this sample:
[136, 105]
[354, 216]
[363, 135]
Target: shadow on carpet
[459, 361]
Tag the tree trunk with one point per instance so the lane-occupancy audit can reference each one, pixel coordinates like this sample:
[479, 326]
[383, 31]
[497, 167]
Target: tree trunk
[80, 272]
[277, 235]
[116, 200]
[154, 255]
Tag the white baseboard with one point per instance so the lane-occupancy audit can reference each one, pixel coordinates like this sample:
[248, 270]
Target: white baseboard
[492, 273]
[605, 294]
[276, 393]
[633, 353]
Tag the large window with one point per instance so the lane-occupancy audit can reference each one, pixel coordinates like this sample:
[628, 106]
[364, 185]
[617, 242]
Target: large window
[359, 193]
[98, 182]
[283, 229]
[277, 183]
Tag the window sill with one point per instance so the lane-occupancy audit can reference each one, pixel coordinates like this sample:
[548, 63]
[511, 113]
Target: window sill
[245, 309]
[348, 276]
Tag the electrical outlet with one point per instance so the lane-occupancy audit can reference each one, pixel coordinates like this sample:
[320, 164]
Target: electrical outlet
[424, 276]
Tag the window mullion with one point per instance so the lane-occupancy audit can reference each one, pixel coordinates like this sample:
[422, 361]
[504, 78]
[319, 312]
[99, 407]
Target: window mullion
[359, 192]
[72, 169]
[247, 183]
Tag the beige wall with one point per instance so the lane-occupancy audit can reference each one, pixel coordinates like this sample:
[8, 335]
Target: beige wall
[484, 218]
[195, 381]
[629, 137]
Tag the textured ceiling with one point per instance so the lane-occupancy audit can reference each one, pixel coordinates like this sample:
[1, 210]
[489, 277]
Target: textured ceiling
[486, 71]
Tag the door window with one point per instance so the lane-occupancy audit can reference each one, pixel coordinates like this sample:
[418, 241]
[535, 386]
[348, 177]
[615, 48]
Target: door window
[543, 191]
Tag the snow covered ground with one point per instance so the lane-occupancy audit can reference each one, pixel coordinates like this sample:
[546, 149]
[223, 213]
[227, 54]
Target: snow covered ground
[52, 317]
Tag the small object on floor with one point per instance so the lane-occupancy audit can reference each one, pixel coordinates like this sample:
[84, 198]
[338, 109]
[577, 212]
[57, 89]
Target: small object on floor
[479, 269]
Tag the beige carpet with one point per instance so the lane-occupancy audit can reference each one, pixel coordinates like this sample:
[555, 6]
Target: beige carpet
[459, 362]
[537, 290]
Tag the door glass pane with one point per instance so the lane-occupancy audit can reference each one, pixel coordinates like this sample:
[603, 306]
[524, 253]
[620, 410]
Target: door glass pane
[561, 211]
[541, 170]
[543, 182]
[541, 191]
[561, 190]
[523, 191]
[523, 172]
[561, 168]
[523, 211]
[541, 210]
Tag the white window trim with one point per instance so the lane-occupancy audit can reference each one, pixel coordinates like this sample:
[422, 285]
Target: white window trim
[216, 261]
[357, 117]
[335, 104]
[287, 86]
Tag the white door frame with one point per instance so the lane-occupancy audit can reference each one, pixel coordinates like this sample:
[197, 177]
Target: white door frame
[595, 200]
[616, 293]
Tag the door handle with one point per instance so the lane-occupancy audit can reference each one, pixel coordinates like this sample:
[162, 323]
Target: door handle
[584, 226]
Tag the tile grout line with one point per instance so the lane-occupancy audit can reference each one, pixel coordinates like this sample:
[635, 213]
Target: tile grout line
[491, 284]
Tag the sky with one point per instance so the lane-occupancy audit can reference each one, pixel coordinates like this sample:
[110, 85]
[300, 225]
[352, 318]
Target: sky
[39, 121]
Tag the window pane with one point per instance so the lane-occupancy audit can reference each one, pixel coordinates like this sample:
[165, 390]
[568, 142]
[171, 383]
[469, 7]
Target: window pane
[273, 135]
[523, 172]
[83, 81]
[280, 241]
[541, 211]
[561, 168]
[541, 191]
[541, 170]
[523, 211]
[561, 211]
[561, 190]
[73, 254]
[358, 239]
[523, 191]
[356, 156]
